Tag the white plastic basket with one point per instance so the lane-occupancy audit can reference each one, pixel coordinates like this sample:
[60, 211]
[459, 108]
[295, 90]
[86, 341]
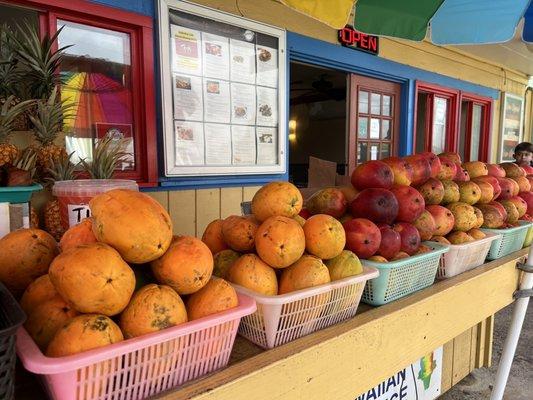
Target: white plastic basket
[464, 257]
[283, 318]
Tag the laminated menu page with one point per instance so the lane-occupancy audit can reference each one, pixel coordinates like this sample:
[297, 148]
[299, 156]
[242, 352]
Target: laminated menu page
[267, 66]
[216, 56]
[267, 147]
[186, 57]
[242, 61]
[267, 106]
[217, 144]
[216, 101]
[243, 144]
[188, 101]
[189, 143]
[242, 104]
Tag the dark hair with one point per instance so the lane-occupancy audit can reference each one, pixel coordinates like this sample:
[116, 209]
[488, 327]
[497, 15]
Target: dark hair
[524, 146]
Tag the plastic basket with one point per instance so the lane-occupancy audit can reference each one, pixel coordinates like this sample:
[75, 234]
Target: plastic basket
[18, 194]
[11, 318]
[529, 237]
[280, 319]
[464, 257]
[511, 240]
[141, 367]
[403, 277]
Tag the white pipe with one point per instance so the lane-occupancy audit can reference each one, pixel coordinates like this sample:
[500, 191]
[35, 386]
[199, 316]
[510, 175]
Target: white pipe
[509, 347]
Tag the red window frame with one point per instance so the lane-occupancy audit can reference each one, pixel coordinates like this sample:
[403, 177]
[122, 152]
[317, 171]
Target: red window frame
[486, 124]
[140, 29]
[452, 111]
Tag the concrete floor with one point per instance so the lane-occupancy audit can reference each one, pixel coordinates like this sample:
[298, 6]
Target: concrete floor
[478, 385]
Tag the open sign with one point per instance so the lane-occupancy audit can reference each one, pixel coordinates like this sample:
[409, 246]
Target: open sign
[349, 37]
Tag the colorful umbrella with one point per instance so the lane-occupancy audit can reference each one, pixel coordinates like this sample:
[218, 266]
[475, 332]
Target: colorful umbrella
[451, 21]
[98, 99]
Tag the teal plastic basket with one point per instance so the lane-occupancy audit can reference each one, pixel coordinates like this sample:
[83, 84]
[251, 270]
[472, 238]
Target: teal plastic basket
[403, 277]
[511, 240]
[18, 194]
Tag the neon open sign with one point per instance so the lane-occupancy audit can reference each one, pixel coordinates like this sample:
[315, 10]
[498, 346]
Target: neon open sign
[349, 37]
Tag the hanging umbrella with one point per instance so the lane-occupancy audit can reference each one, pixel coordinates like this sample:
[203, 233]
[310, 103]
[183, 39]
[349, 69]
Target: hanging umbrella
[451, 22]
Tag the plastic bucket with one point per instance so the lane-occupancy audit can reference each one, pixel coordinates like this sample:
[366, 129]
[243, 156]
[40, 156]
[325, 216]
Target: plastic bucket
[74, 196]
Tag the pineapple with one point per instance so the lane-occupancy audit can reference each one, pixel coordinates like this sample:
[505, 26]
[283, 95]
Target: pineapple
[47, 125]
[34, 218]
[22, 171]
[61, 170]
[107, 154]
[8, 115]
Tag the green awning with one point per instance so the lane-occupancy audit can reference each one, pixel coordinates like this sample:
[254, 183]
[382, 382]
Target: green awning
[407, 19]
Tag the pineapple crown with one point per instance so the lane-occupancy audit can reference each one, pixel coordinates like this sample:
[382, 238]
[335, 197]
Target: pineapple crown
[9, 111]
[107, 154]
[26, 161]
[49, 116]
[61, 169]
[10, 74]
[37, 59]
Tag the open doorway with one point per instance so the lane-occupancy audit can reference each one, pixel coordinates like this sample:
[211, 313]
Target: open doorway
[317, 122]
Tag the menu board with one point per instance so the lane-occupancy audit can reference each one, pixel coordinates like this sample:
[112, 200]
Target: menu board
[225, 94]
[512, 118]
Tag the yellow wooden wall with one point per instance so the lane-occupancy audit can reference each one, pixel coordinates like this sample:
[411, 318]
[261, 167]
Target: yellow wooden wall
[192, 210]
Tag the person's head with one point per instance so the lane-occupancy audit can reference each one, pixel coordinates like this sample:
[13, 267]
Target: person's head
[523, 153]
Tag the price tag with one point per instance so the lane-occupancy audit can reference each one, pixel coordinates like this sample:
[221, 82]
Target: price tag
[77, 212]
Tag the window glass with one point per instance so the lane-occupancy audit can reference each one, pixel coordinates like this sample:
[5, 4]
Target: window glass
[97, 78]
[363, 102]
[475, 138]
[440, 106]
[386, 111]
[362, 128]
[362, 150]
[375, 104]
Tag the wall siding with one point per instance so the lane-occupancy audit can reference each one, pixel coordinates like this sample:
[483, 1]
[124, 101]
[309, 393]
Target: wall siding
[192, 210]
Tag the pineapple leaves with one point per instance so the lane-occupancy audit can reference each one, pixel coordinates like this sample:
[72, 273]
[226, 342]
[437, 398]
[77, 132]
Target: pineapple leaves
[38, 59]
[107, 155]
[9, 111]
[49, 117]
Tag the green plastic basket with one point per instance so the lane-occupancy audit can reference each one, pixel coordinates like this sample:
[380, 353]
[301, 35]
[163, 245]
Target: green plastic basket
[529, 237]
[18, 194]
[512, 239]
[403, 277]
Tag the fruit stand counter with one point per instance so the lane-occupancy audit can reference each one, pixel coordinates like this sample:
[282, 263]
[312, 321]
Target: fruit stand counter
[347, 359]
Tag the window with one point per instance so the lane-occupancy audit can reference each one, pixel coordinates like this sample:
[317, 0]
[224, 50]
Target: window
[108, 74]
[436, 116]
[474, 127]
[451, 120]
[374, 119]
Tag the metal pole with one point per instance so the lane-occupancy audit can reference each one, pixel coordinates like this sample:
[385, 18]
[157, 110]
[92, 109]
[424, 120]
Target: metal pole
[519, 314]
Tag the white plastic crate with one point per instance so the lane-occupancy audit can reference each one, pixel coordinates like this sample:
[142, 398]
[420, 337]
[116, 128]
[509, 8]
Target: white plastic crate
[464, 257]
[283, 318]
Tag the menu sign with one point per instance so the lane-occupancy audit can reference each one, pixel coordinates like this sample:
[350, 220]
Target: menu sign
[225, 94]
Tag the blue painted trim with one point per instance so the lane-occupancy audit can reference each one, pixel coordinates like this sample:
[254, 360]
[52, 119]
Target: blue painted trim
[327, 54]
[145, 7]
[168, 184]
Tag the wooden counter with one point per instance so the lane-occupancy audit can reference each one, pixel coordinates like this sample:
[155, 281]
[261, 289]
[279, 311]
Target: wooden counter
[349, 358]
[346, 359]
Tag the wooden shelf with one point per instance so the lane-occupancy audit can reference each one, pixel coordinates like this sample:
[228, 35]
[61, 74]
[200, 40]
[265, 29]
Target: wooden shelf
[346, 359]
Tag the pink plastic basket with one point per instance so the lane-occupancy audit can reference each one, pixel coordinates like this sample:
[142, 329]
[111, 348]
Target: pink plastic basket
[280, 319]
[141, 367]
